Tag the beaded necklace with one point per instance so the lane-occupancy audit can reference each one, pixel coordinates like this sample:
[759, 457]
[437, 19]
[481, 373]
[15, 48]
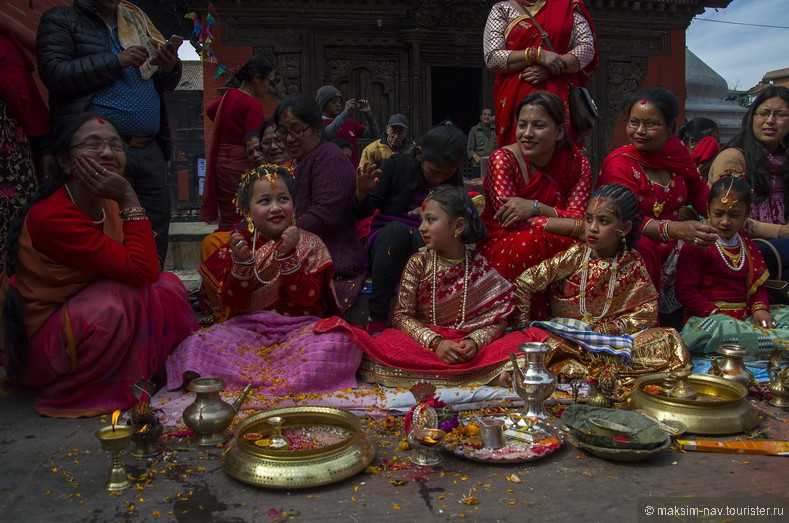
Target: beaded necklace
[609, 298]
[254, 261]
[462, 311]
[71, 197]
[732, 259]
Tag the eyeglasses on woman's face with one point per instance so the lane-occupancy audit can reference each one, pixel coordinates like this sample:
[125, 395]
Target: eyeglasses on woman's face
[649, 125]
[765, 114]
[99, 145]
[295, 132]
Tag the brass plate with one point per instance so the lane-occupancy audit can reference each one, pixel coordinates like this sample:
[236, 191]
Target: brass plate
[731, 413]
[284, 469]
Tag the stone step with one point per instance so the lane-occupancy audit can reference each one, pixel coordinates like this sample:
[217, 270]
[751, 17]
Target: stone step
[183, 253]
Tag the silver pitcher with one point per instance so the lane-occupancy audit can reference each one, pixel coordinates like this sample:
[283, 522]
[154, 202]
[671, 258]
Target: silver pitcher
[533, 384]
[731, 366]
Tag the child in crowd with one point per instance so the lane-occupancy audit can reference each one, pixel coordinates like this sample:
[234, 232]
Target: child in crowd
[602, 300]
[262, 146]
[722, 287]
[452, 307]
[700, 135]
[277, 281]
[397, 190]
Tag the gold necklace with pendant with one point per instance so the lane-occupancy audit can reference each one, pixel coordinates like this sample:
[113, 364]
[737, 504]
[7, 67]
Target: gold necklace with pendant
[657, 207]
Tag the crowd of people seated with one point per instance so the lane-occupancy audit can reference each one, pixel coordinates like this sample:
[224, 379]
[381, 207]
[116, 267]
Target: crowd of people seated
[599, 266]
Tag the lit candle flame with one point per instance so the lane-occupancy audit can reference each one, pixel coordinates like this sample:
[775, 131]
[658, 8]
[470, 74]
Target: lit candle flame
[143, 429]
[115, 416]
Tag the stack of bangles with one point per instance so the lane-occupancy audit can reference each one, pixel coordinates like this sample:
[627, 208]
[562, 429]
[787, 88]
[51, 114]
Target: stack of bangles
[578, 228]
[133, 214]
[242, 269]
[532, 55]
[759, 306]
[287, 264]
[434, 342]
[663, 231]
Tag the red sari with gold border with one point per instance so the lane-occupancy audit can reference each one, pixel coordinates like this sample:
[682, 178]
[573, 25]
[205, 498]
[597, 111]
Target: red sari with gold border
[398, 358]
[625, 166]
[556, 18]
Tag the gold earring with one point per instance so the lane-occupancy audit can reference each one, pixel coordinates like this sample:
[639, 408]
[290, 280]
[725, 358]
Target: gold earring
[250, 224]
[457, 233]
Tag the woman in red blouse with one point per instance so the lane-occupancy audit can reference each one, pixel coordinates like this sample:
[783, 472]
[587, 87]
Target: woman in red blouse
[541, 174]
[659, 170]
[87, 311]
[236, 113]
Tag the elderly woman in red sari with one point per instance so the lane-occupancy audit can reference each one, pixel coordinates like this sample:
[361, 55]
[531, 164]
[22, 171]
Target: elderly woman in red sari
[659, 170]
[540, 174]
[525, 63]
[87, 312]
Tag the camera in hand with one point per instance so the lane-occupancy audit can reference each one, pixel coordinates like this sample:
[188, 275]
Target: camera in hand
[359, 104]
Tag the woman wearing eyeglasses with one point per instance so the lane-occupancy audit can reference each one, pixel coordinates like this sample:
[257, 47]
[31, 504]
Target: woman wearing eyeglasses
[659, 170]
[86, 310]
[236, 113]
[761, 150]
[325, 187]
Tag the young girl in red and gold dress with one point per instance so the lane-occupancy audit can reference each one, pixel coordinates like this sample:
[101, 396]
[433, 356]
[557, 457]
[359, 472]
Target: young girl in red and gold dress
[601, 297]
[722, 287]
[276, 283]
[452, 307]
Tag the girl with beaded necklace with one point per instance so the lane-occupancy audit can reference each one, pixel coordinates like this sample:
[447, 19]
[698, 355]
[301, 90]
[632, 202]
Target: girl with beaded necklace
[602, 299]
[451, 309]
[277, 283]
[723, 287]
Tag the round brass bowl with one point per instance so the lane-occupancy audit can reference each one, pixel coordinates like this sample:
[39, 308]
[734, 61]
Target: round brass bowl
[730, 413]
[285, 469]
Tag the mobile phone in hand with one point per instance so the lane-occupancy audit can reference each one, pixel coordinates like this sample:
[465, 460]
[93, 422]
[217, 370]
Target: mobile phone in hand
[175, 41]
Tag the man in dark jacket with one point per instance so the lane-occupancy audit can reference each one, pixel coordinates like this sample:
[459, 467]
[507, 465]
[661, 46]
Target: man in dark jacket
[107, 57]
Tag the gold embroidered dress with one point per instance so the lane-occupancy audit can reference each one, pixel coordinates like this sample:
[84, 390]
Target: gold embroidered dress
[634, 306]
[455, 302]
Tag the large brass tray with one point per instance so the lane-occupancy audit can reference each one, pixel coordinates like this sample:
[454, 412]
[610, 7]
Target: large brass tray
[727, 413]
[285, 469]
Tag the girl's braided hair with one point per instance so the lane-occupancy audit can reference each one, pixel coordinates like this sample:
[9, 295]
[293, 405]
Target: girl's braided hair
[625, 207]
[456, 202]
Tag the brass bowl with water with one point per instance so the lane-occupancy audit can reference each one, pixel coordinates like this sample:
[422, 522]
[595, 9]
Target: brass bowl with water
[283, 468]
[720, 408]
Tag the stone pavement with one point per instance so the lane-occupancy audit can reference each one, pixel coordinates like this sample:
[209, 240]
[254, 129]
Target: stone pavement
[54, 470]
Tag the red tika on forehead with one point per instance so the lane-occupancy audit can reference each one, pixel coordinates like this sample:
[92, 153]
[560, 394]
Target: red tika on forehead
[272, 179]
[100, 121]
[286, 113]
[424, 204]
[643, 101]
